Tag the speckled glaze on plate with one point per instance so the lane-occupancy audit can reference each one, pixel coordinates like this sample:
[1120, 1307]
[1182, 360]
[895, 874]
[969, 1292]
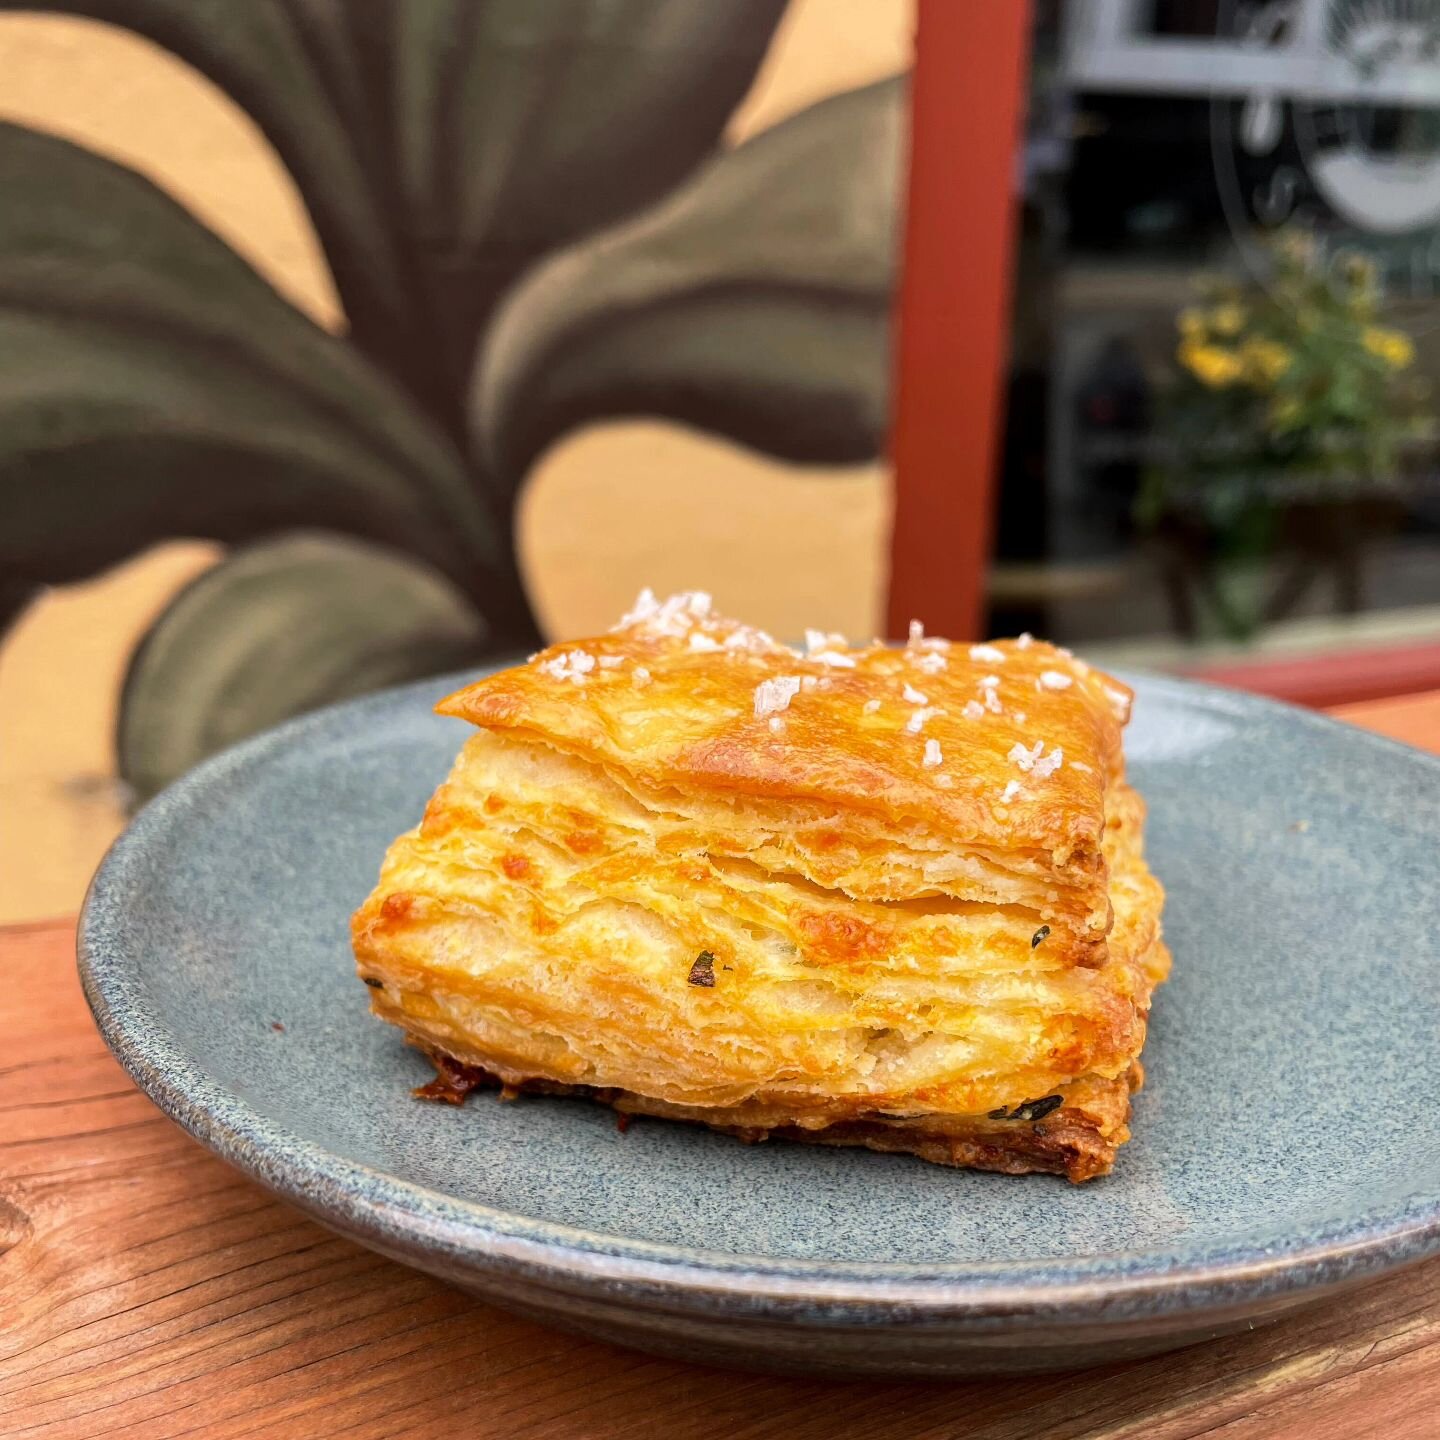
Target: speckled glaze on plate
[1287, 1143]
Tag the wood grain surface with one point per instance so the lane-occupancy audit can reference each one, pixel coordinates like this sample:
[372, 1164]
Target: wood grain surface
[146, 1290]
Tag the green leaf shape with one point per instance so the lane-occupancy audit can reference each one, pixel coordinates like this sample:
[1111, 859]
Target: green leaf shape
[442, 146]
[276, 629]
[514, 126]
[153, 385]
[754, 302]
[276, 60]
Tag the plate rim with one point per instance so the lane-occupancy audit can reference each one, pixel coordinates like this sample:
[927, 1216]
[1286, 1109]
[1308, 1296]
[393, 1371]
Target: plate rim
[419, 1220]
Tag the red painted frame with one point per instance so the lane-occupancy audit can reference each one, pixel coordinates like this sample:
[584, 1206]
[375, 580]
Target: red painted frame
[1331, 678]
[967, 105]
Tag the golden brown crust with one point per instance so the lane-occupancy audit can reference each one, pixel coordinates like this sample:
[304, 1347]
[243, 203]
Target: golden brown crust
[634, 882]
[1074, 1133]
[825, 787]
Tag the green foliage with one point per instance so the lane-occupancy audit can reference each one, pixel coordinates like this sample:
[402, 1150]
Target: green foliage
[1287, 389]
[528, 218]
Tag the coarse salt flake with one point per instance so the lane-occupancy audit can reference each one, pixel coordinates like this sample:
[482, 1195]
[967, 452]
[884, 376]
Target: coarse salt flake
[673, 617]
[610, 662]
[973, 710]
[774, 695]
[1024, 640]
[776, 724]
[640, 675]
[932, 754]
[1012, 789]
[572, 665]
[699, 640]
[986, 654]
[871, 706]
[834, 657]
[932, 662]
[916, 723]
[917, 632]
[753, 639]
[911, 694]
[1056, 680]
[644, 607]
[1036, 764]
[1047, 765]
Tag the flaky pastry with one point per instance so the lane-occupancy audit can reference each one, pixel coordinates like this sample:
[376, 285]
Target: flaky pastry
[849, 895]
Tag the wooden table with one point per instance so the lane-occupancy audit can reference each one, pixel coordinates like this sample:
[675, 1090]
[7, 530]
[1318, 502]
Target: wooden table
[146, 1290]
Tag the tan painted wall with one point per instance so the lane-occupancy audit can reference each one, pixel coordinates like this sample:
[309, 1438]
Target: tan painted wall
[612, 508]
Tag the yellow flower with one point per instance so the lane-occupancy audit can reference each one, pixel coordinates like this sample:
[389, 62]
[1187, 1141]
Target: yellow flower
[1394, 347]
[1285, 412]
[1265, 360]
[1228, 319]
[1191, 323]
[1210, 364]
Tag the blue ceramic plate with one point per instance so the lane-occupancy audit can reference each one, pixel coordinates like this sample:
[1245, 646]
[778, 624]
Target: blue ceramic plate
[1287, 1143]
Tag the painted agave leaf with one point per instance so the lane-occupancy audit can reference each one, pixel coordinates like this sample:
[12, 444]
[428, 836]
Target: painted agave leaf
[442, 145]
[529, 222]
[153, 385]
[326, 617]
[759, 292]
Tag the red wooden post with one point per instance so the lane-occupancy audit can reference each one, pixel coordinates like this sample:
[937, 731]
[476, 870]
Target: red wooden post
[967, 105]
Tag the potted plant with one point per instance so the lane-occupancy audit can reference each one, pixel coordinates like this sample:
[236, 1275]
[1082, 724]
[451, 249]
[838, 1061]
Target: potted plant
[1283, 428]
